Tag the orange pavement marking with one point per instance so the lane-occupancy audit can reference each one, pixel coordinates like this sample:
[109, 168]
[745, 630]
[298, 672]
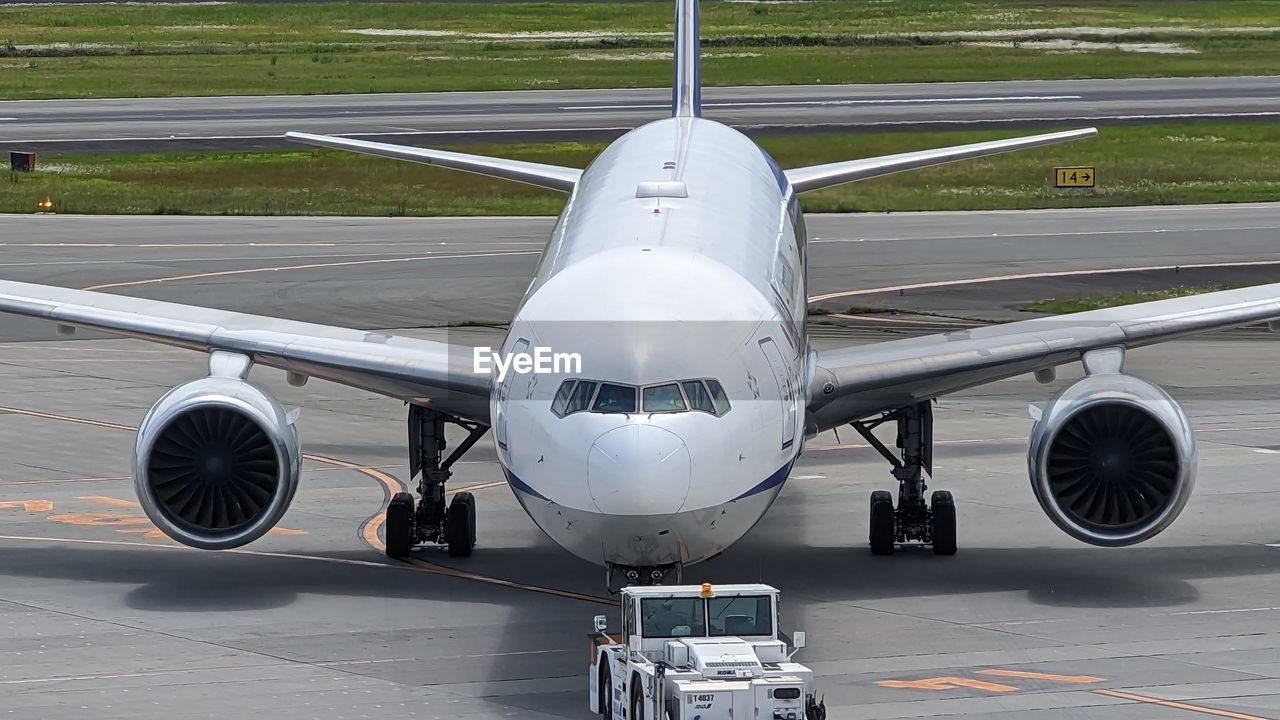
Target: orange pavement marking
[1042, 676]
[947, 683]
[369, 531]
[31, 506]
[98, 519]
[1177, 705]
[109, 501]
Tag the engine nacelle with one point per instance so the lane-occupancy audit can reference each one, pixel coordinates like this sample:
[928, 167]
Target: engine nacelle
[216, 463]
[1112, 460]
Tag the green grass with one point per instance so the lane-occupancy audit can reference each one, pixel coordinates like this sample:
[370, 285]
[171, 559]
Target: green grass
[1138, 165]
[126, 51]
[1055, 306]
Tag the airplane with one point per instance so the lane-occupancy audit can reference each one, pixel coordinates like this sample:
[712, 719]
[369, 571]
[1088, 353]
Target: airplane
[676, 276]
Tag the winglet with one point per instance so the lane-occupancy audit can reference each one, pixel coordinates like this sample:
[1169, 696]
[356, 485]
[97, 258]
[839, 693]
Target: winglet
[553, 177]
[686, 90]
[816, 177]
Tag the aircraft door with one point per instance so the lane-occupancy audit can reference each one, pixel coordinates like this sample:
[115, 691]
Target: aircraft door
[786, 390]
[504, 390]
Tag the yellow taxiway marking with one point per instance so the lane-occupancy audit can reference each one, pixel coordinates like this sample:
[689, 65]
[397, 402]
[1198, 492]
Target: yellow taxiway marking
[948, 683]
[1177, 705]
[66, 418]
[371, 527]
[1000, 672]
[310, 266]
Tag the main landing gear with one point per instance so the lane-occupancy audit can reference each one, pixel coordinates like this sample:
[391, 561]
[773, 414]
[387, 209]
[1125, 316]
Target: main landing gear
[912, 520]
[431, 521]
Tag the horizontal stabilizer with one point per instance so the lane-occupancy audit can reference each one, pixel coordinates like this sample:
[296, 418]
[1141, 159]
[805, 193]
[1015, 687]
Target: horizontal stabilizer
[547, 176]
[816, 177]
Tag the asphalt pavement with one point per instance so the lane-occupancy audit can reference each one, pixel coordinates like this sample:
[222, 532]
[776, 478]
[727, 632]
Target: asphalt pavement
[529, 115]
[101, 617]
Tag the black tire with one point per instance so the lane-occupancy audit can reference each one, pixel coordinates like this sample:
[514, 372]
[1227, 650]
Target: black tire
[604, 694]
[460, 525]
[943, 512]
[399, 525]
[637, 701]
[882, 535]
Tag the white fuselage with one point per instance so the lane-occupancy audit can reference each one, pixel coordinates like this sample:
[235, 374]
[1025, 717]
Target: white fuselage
[650, 288]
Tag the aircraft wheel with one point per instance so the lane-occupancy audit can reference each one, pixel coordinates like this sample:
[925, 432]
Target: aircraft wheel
[460, 525]
[399, 525]
[943, 517]
[882, 523]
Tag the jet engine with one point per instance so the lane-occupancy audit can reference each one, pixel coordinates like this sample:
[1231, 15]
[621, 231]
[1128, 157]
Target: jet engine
[216, 463]
[1112, 460]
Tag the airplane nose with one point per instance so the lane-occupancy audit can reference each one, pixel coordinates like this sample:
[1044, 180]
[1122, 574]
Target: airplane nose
[638, 470]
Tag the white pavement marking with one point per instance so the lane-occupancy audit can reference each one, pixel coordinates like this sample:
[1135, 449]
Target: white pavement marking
[345, 134]
[1032, 276]
[970, 236]
[814, 103]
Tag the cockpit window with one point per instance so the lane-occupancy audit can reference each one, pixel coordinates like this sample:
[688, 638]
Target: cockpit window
[699, 398]
[562, 397]
[615, 399]
[663, 398]
[704, 395]
[581, 397]
[718, 397]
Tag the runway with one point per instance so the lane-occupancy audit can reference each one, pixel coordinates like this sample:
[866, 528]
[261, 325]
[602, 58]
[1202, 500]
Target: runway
[96, 613]
[184, 123]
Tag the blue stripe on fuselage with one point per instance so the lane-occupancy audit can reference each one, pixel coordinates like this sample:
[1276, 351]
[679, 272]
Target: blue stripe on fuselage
[770, 482]
[517, 484]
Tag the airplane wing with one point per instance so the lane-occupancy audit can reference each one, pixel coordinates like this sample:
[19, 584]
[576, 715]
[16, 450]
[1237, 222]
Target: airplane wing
[554, 177]
[816, 177]
[856, 382]
[424, 372]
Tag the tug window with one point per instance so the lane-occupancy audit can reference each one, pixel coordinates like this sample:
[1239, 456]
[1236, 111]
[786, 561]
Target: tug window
[663, 398]
[672, 617]
[615, 399]
[741, 615]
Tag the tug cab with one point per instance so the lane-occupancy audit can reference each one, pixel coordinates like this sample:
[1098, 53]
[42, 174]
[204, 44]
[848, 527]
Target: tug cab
[699, 651]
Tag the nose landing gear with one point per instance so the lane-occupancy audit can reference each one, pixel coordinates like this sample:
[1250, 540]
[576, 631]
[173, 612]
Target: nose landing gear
[620, 576]
[429, 520]
[912, 520]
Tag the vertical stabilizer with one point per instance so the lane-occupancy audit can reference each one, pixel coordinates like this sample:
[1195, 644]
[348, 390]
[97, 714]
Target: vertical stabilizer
[686, 92]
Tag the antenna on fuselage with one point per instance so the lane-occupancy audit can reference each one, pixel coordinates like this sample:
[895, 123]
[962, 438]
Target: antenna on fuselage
[686, 89]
